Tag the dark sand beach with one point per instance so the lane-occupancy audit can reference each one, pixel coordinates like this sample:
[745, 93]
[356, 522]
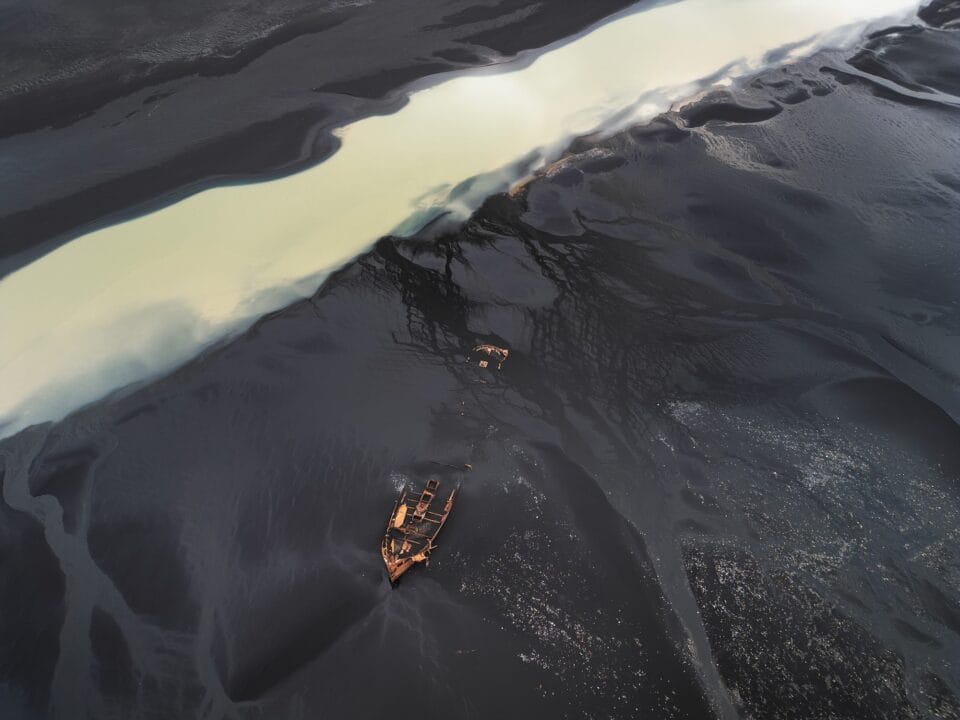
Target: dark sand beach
[717, 477]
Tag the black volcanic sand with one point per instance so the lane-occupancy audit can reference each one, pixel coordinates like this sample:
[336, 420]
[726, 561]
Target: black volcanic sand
[716, 477]
[105, 112]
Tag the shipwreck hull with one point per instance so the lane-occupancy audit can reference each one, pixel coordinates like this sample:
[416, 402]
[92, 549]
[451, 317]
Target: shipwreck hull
[413, 527]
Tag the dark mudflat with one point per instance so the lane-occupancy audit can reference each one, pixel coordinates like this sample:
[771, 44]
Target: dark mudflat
[716, 477]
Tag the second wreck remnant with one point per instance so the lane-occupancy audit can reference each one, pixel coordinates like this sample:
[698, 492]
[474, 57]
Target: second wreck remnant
[413, 526]
[494, 353]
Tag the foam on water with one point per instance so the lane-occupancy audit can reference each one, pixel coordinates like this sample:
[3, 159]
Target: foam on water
[134, 300]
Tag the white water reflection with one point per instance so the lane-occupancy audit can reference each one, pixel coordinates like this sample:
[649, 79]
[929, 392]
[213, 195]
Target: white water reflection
[136, 299]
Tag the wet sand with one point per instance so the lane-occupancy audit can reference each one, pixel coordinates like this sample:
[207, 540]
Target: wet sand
[717, 476]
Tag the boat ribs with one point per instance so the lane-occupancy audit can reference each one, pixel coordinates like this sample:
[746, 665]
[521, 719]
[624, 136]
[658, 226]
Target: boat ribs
[412, 529]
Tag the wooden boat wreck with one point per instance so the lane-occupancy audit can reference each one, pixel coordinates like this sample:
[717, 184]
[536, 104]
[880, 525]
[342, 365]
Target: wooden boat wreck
[491, 353]
[414, 525]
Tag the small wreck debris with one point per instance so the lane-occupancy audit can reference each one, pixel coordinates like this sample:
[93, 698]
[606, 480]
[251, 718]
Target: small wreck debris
[494, 353]
[413, 526]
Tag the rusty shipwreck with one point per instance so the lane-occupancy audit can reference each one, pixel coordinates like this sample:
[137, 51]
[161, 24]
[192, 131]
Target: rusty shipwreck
[413, 527]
